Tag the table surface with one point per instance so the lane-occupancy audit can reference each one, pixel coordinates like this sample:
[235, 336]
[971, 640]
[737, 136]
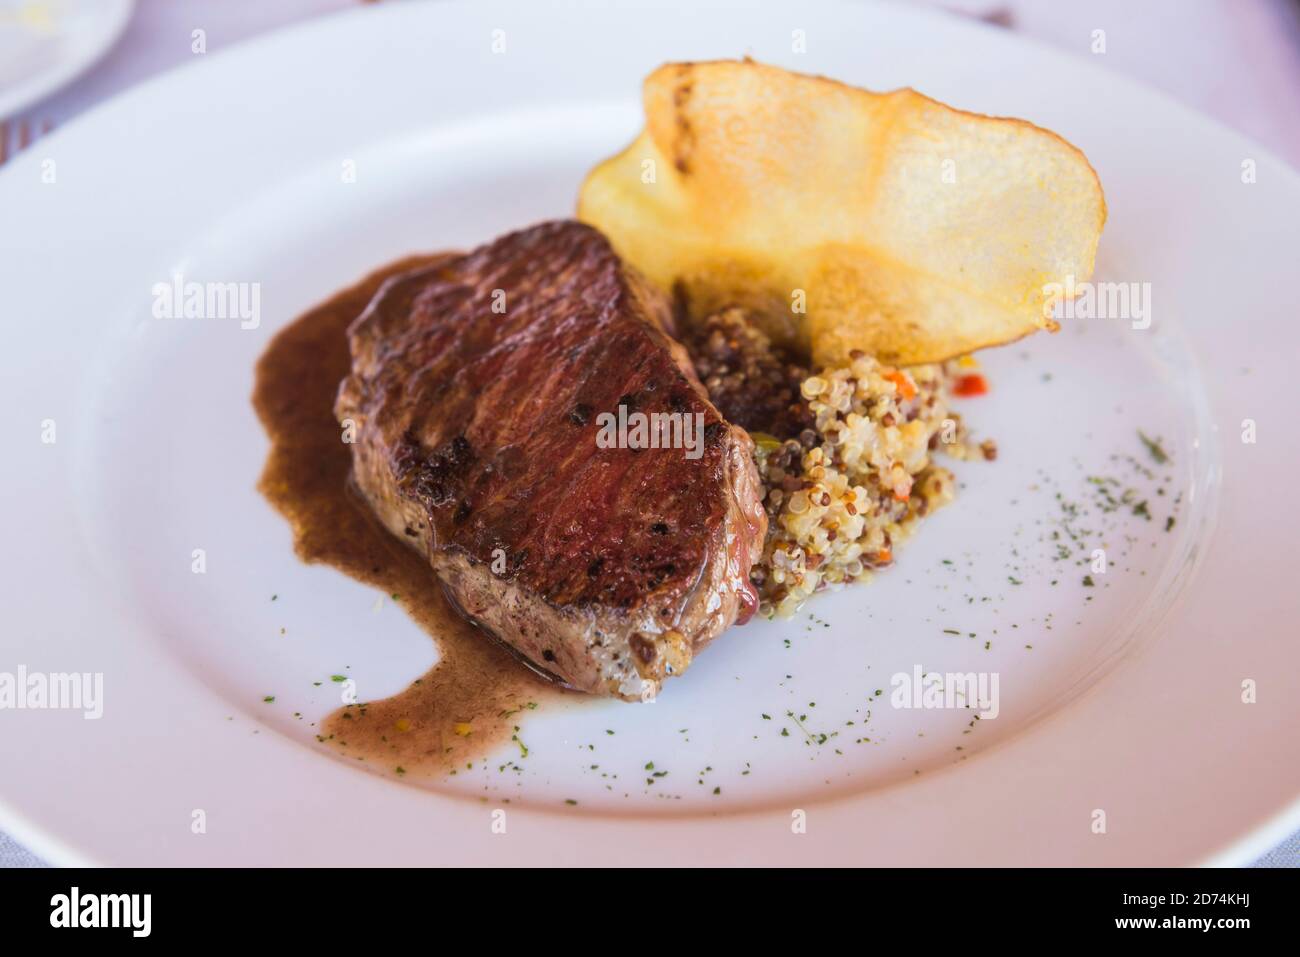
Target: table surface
[1236, 60]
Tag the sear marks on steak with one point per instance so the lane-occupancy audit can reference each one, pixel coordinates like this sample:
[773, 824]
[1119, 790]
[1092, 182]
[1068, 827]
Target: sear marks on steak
[476, 395]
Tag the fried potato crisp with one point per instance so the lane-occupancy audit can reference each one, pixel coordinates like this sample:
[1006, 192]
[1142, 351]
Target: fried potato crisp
[886, 222]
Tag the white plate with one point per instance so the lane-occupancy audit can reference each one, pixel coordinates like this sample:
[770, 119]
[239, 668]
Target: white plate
[1129, 701]
[46, 44]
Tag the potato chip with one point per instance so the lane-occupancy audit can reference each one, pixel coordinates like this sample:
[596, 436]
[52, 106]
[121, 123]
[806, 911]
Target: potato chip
[886, 222]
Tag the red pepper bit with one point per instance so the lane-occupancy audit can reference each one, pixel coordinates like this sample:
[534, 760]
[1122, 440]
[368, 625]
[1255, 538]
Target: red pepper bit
[906, 389]
[971, 385]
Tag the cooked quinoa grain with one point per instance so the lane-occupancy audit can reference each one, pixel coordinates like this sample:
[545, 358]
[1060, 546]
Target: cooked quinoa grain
[754, 384]
[844, 454]
[847, 492]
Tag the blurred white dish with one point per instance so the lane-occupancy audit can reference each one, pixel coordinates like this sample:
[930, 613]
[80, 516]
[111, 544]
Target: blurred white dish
[46, 44]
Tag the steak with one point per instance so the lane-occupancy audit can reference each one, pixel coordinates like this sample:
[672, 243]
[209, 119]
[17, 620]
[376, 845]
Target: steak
[483, 406]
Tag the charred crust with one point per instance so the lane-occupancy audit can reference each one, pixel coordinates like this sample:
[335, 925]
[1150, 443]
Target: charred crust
[643, 648]
[681, 304]
[684, 140]
[437, 479]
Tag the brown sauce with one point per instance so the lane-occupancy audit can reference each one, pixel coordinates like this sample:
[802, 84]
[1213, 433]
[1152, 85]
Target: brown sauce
[473, 699]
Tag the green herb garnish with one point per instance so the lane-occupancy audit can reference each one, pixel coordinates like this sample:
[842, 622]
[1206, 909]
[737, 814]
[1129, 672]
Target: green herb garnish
[1158, 454]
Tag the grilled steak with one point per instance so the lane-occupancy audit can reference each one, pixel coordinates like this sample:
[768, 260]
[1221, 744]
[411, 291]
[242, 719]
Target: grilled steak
[482, 396]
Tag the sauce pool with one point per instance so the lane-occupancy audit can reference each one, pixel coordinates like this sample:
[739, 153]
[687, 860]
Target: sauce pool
[472, 700]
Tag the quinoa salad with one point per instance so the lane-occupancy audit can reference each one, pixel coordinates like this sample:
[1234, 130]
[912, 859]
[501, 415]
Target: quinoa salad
[846, 455]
